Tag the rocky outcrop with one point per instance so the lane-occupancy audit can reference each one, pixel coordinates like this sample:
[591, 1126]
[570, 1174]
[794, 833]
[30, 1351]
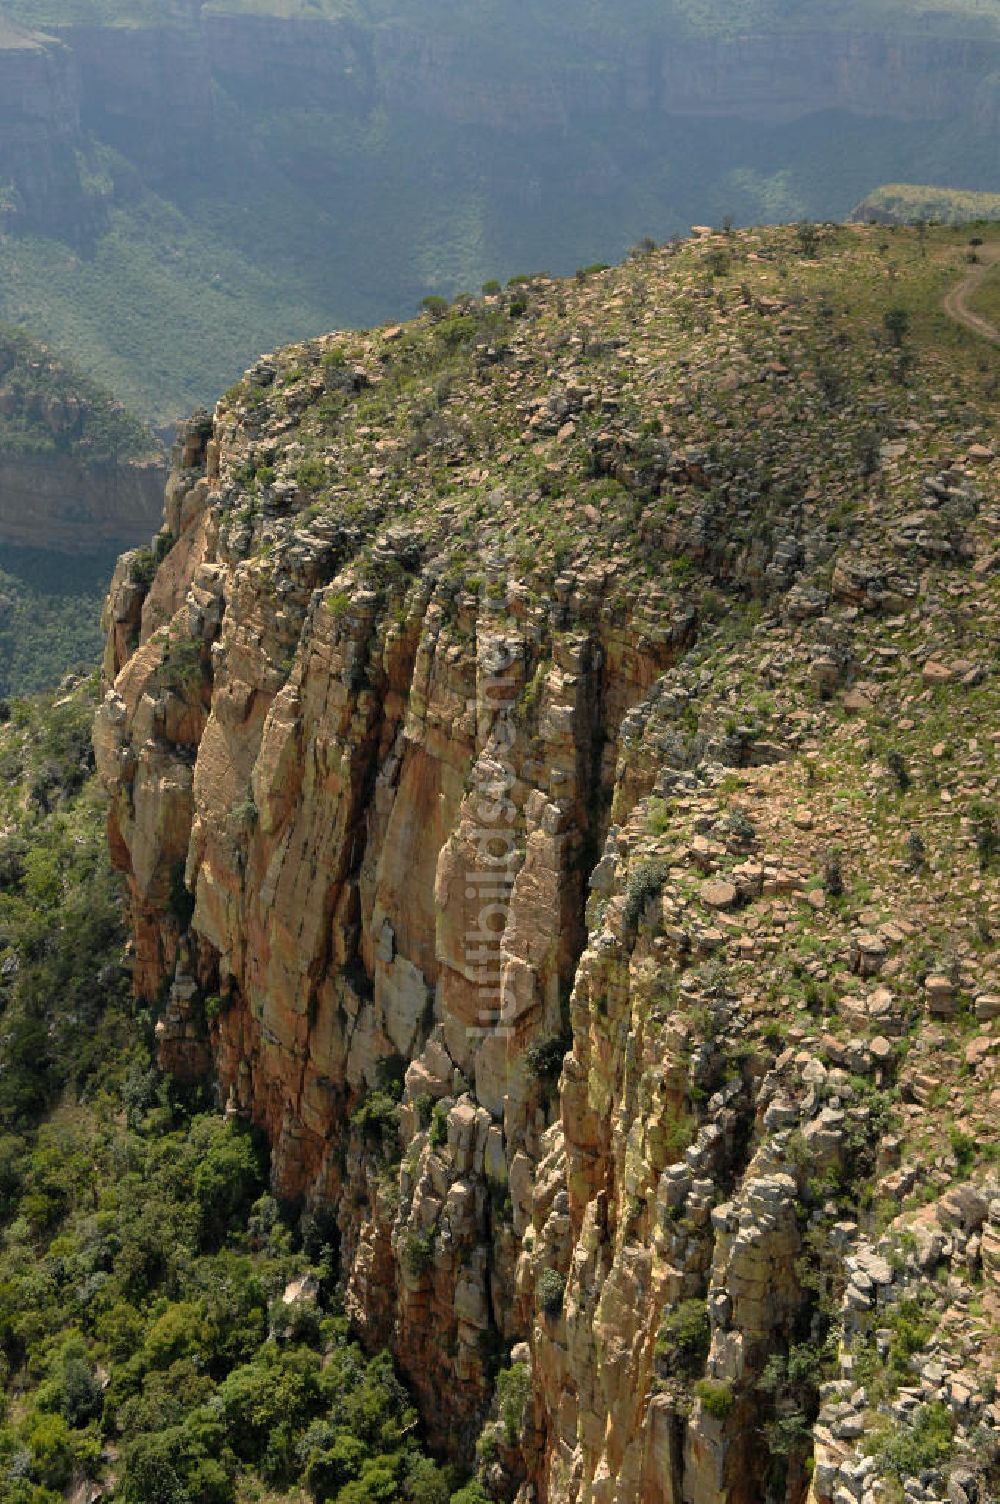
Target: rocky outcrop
[477, 757]
[78, 473]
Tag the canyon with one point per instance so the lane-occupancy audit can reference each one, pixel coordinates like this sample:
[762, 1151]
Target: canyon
[161, 94]
[515, 760]
[271, 173]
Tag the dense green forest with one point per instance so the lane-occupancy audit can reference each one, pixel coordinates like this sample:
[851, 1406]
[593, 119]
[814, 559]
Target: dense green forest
[145, 1340]
[50, 615]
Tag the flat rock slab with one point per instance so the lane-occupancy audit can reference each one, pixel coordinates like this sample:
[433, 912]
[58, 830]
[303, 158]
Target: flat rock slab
[718, 894]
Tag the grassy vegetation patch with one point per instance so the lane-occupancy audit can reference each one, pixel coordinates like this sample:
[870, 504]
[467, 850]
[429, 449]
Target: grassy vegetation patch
[985, 301]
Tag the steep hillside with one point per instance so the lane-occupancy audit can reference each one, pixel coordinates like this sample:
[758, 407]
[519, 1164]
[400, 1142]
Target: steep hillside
[555, 767]
[265, 168]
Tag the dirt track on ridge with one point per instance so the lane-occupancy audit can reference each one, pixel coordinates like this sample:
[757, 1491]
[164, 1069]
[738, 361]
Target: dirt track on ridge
[956, 302]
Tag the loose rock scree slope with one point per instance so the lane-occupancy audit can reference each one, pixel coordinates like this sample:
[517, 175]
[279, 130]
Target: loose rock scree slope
[693, 560]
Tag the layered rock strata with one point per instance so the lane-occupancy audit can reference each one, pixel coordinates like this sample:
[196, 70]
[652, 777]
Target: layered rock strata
[59, 504]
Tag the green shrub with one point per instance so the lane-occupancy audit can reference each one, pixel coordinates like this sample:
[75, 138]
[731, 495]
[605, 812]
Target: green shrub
[643, 884]
[418, 1253]
[550, 1292]
[183, 668]
[73, 1389]
[683, 1340]
[170, 1467]
[227, 1179]
[808, 237]
[986, 829]
[310, 474]
[896, 764]
[833, 874]
[472, 1493]
[332, 1458]
[280, 1387]
[513, 1393]
[338, 604]
[143, 568]
[50, 1443]
[424, 1107]
[426, 1482]
[456, 329]
[377, 1119]
[963, 1146]
[438, 1134]
[215, 1006]
[716, 1396]
[245, 810]
[911, 1448]
[544, 1058]
[897, 324]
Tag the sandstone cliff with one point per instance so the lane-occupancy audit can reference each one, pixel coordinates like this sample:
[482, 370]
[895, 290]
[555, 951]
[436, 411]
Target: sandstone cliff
[555, 768]
[59, 504]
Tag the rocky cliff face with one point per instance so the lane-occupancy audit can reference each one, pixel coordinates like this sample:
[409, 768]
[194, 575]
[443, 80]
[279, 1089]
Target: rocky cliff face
[58, 503]
[549, 72]
[555, 771]
[146, 92]
[40, 138]
[66, 98]
[769, 77]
